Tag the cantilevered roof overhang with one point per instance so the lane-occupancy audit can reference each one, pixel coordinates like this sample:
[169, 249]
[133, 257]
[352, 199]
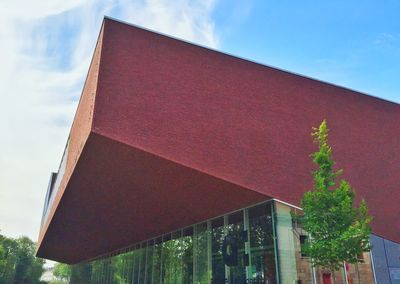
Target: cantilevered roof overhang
[168, 134]
[119, 195]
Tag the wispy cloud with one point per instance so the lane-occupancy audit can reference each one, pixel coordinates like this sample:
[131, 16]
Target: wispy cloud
[387, 41]
[46, 47]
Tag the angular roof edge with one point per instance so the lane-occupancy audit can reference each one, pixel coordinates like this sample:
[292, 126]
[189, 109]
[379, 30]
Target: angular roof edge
[249, 60]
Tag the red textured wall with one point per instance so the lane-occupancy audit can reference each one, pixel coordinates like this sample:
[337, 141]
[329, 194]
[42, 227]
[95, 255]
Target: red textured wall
[245, 122]
[80, 130]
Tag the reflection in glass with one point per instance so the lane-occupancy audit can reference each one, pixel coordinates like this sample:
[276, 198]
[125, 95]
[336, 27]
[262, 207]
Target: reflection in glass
[136, 263]
[129, 266]
[157, 260]
[149, 262]
[201, 275]
[117, 269]
[217, 237]
[235, 228]
[142, 263]
[262, 244]
[194, 254]
[172, 264]
[187, 255]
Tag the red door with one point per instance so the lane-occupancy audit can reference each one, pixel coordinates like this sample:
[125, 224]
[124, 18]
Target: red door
[326, 278]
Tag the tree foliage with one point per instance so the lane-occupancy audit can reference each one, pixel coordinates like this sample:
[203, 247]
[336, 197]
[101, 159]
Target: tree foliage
[339, 230]
[18, 263]
[62, 272]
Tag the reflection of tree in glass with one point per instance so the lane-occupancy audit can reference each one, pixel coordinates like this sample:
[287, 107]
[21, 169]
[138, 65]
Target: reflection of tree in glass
[187, 259]
[118, 265]
[262, 243]
[172, 262]
[201, 254]
[149, 263]
[96, 271]
[235, 228]
[157, 261]
[171, 258]
[217, 238]
[142, 264]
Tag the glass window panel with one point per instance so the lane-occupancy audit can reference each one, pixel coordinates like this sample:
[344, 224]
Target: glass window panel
[136, 265]
[262, 261]
[164, 256]
[100, 277]
[235, 229]
[217, 238]
[187, 255]
[177, 244]
[142, 264]
[124, 267]
[129, 267]
[149, 262]
[172, 260]
[194, 254]
[95, 272]
[176, 234]
[201, 273]
[106, 270]
[117, 267]
[109, 270]
[157, 260]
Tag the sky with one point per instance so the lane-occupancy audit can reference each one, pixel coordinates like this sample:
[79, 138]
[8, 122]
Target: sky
[46, 47]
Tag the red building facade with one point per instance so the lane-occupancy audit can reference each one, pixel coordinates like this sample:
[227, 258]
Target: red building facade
[169, 134]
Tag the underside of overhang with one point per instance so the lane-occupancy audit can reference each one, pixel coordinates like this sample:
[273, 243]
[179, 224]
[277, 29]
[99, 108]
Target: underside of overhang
[119, 195]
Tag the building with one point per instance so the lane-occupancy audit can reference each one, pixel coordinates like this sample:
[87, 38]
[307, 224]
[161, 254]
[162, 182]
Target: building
[175, 146]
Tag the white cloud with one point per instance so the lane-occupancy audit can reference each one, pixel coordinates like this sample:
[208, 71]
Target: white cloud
[36, 9]
[189, 20]
[46, 47]
[387, 41]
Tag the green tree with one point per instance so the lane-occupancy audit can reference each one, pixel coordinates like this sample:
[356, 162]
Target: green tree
[3, 260]
[339, 230]
[9, 258]
[28, 268]
[18, 263]
[62, 271]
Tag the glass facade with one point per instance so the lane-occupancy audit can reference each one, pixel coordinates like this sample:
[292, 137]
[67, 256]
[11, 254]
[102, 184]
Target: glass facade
[258, 244]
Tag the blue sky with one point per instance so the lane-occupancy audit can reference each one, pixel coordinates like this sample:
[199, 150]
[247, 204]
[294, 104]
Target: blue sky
[350, 43]
[46, 48]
